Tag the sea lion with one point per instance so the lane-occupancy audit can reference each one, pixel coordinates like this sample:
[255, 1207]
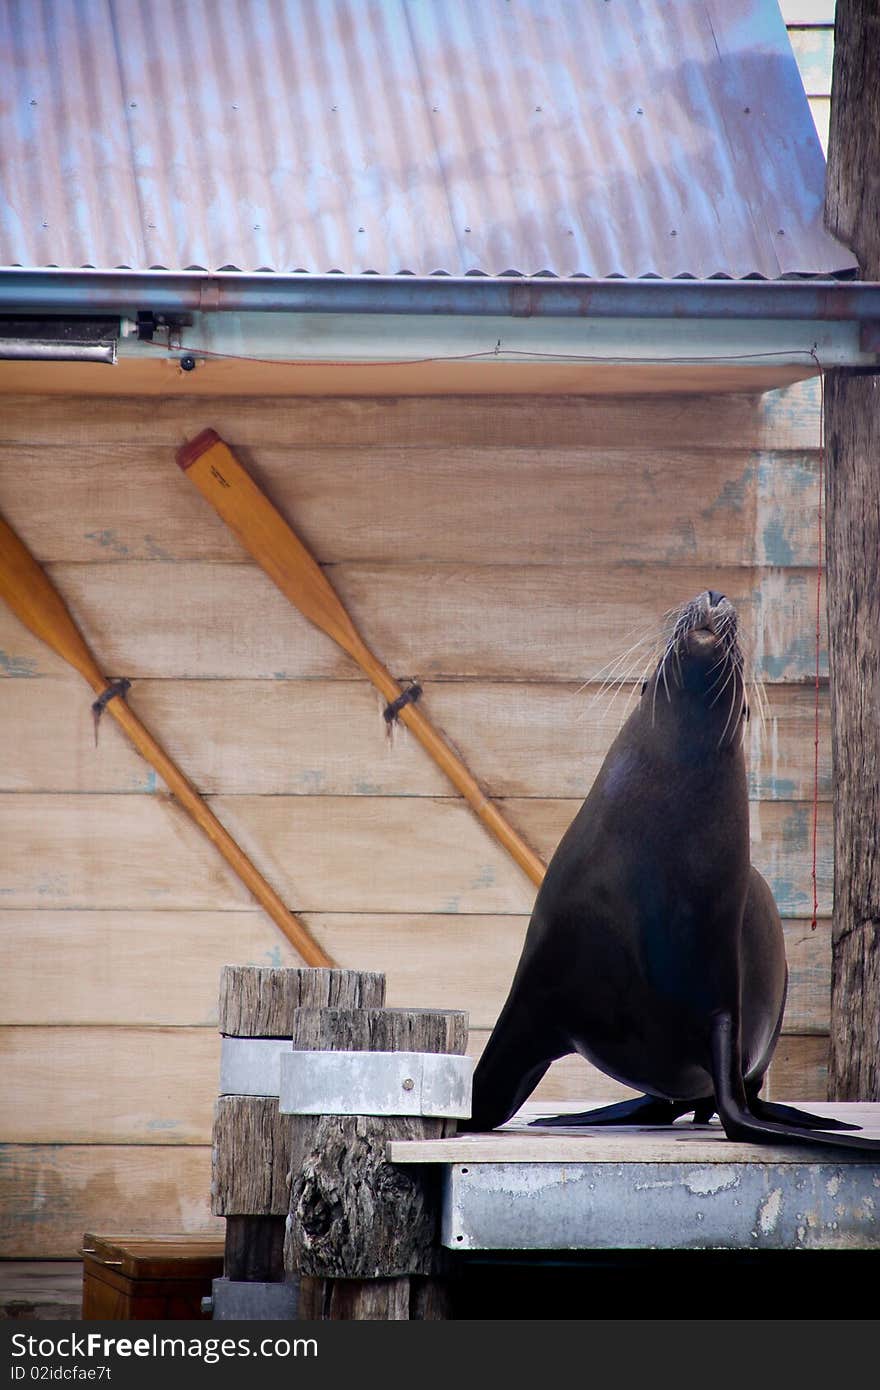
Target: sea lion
[655, 949]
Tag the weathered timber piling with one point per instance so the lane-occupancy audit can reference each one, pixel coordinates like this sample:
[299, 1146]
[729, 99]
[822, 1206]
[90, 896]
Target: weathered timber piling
[362, 1233]
[251, 1141]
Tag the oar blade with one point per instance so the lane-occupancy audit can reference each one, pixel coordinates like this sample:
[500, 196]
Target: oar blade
[209, 463]
[34, 599]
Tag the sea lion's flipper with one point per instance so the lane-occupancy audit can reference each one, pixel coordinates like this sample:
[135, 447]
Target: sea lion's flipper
[641, 1110]
[789, 1114]
[518, 1053]
[740, 1123]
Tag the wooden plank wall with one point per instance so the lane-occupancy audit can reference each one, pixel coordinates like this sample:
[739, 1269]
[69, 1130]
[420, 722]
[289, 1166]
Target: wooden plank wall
[501, 550]
[810, 26]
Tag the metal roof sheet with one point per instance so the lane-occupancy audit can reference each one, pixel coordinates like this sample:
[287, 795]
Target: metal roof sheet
[565, 137]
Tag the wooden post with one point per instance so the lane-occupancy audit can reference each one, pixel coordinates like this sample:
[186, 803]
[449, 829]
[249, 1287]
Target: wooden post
[251, 1150]
[362, 1233]
[852, 435]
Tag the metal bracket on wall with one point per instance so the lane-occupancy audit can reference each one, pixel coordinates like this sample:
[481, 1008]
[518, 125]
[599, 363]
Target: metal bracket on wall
[148, 323]
[233, 1300]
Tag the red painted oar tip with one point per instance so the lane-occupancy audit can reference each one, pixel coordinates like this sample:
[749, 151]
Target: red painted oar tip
[188, 453]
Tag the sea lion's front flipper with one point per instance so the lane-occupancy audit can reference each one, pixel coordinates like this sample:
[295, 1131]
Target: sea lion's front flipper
[789, 1114]
[520, 1049]
[641, 1110]
[739, 1121]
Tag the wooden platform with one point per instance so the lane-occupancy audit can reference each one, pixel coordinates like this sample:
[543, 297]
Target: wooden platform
[684, 1187]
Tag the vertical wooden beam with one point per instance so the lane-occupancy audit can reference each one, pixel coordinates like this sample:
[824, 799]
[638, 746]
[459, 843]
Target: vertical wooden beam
[251, 1143]
[852, 184]
[852, 434]
[361, 1230]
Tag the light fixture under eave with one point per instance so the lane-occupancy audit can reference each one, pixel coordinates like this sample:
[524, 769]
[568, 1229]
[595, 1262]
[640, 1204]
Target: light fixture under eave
[58, 340]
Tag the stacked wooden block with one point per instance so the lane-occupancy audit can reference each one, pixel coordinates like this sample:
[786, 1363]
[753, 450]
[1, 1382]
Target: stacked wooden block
[318, 1223]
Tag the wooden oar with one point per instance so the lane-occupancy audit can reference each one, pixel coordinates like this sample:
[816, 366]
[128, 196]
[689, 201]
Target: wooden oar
[230, 489]
[34, 599]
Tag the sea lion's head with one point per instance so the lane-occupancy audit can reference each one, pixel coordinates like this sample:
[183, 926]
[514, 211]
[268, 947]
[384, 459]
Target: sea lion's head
[701, 667]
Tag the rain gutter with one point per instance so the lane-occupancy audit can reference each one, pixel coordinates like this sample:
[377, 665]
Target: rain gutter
[127, 292]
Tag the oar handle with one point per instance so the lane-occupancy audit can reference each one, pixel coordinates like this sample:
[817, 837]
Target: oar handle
[465, 782]
[457, 771]
[189, 798]
[209, 462]
[34, 599]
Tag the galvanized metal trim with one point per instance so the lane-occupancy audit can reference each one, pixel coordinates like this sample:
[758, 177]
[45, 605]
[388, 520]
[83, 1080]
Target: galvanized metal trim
[125, 292]
[234, 1300]
[251, 1066]
[412, 338]
[436, 1084]
[661, 1206]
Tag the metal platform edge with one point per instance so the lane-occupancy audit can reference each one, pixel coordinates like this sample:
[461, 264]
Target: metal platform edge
[687, 1187]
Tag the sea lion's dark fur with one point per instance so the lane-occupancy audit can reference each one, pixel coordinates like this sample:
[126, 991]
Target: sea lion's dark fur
[655, 949]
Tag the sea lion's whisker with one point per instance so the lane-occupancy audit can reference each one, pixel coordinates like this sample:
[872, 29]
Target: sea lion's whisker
[722, 661]
[721, 685]
[731, 676]
[645, 634]
[610, 689]
[665, 681]
[661, 671]
[635, 686]
[761, 702]
[616, 660]
[608, 674]
[608, 694]
[730, 673]
[733, 695]
[621, 677]
[622, 674]
[742, 729]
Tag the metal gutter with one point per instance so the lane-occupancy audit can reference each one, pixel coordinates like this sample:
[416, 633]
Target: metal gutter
[126, 292]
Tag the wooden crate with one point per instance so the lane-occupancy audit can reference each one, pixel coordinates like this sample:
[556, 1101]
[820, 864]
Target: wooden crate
[128, 1277]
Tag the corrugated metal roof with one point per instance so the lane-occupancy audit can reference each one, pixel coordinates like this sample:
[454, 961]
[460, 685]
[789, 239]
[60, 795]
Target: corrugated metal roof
[564, 137]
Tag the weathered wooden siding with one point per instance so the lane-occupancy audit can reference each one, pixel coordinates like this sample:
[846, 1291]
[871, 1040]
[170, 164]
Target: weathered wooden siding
[502, 551]
[810, 26]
